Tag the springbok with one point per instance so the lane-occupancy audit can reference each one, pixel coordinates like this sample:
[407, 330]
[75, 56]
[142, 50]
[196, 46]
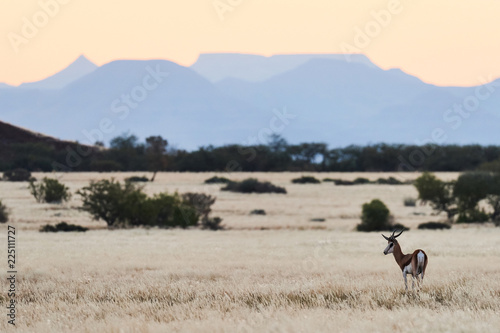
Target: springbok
[413, 264]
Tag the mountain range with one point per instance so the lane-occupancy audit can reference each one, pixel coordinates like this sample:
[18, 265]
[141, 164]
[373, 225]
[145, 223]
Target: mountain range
[240, 98]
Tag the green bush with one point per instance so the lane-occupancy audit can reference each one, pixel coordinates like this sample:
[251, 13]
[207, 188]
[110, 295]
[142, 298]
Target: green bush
[473, 216]
[127, 206]
[389, 181]
[258, 212]
[4, 214]
[328, 180]
[410, 202]
[212, 223]
[252, 185]
[63, 226]
[361, 181]
[434, 225]
[137, 179]
[375, 217]
[17, 175]
[306, 180]
[342, 182]
[49, 191]
[217, 180]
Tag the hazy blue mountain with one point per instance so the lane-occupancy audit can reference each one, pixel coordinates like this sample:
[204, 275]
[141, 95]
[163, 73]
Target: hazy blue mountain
[326, 99]
[180, 105]
[218, 66]
[79, 68]
[4, 85]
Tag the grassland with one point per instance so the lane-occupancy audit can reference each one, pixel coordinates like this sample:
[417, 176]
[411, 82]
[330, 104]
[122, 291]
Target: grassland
[274, 273]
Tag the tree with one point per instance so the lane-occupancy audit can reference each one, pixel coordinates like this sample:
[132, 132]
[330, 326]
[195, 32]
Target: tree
[156, 147]
[493, 198]
[438, 193]
[470, 188]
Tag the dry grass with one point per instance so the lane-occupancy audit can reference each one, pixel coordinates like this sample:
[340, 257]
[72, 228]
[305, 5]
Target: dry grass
[295, 279]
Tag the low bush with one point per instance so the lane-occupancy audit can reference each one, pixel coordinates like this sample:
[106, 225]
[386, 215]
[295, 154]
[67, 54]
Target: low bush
[375, 216]
[361, 181]
[64, 227]
[473, 216]
[342, 182]
[4, 214]
[50, 191]
[258, 212]
[389, 181]
[137, 179]
[306, 180]
[434, 225]
[317, 219]
[325, 180]
[410, 202]
[212, 223]
[128, 206]
[217, 180]
[17, 175]
[252, 185]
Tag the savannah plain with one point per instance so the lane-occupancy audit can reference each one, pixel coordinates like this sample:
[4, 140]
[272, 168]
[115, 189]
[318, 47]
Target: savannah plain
[275, 273]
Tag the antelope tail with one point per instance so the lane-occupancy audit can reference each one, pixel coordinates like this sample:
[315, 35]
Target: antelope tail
[420, 262]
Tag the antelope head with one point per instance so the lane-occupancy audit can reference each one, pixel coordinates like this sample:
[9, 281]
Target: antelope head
[391, 242]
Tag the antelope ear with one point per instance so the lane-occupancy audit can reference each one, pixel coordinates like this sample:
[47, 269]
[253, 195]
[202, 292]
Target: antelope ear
[386, 238]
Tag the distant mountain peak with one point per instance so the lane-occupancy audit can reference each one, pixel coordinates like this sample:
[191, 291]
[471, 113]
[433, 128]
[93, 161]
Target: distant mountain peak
[257, 68]
[76, 70]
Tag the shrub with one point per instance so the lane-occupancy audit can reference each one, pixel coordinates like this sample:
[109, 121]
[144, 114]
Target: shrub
[50, 191]
[4, 214]
[318, 219]
[200, 201]
[127, 205]
[217, 180]
[410, 202]
[306, 180]
[212, 223]
[343, 182]
[473, 216]
[328, 180]
[389, 181]
[375, 217]
[63, 226]
[17, 175]
[361, 180]
[202, 204]
[258, 212]
[252, 185]
[137, 179]
[434, 225]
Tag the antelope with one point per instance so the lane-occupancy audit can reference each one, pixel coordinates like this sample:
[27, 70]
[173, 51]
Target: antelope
[413, 264]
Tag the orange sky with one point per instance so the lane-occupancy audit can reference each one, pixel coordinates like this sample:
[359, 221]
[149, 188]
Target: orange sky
[445, 42]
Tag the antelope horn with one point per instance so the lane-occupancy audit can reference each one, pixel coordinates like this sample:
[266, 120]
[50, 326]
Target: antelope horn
[398, 234]
[386, 238]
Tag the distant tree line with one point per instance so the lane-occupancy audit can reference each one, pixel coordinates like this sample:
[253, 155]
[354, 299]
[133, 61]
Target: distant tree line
[127, 153]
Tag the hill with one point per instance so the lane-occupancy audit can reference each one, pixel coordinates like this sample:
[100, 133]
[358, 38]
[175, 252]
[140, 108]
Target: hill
[20, 147]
